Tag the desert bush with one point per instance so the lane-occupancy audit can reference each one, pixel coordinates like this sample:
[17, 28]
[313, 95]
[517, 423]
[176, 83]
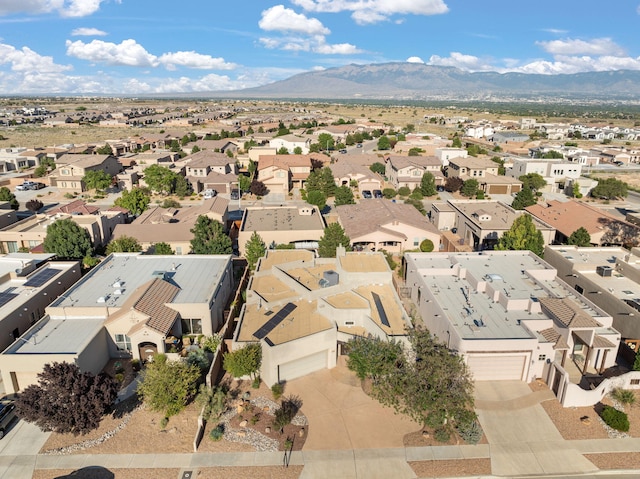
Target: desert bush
[435, 419]
[286, 412]
[624, 396]
[164, 421]
[471, 433]
[616, 419]
[217, 432]
[211, 343]
[442, 434]
[277, 389]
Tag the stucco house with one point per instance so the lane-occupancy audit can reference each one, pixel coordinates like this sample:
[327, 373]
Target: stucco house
[280, 173]
[377, 224]
[511, 317]
[129, 306]
[291, 142]
[345, 171]
[301, 226]
[172, 225]
[408, 170]
[71, 168]
[485, 172]
[302, 310]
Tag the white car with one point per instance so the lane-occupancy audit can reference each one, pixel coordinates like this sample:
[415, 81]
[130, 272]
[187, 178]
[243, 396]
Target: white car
[208, 194]
[27, 185]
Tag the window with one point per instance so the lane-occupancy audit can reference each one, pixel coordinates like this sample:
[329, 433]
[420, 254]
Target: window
[579, 288]
[123, 342]
[191, 326]
[635, 382]
[542, 357]
[12, 246]
[178, 249]
[416, 241]
[33, 244]
[65, 172]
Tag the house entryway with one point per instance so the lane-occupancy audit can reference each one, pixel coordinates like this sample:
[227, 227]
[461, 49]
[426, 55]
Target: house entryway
[147, 350]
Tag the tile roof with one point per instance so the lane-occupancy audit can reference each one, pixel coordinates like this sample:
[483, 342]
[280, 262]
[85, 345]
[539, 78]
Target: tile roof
[152, 303]
[372, 214]
[568, 313]
[205, 158]
[555, 337]
[284, 161]
[78, 207]
[600, 342]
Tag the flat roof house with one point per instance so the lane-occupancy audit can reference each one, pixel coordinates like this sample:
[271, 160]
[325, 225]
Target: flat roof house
[302, 226]
[377, 224]
[130, 305]
[302, 309]
[511, 317]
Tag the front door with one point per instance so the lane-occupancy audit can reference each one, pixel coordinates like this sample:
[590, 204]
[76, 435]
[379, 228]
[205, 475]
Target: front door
[147, 350]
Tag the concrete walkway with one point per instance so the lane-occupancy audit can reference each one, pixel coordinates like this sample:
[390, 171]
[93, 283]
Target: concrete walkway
[523, 439]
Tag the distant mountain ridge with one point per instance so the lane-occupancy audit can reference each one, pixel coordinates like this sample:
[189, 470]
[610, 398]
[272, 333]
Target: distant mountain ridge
[418, 81]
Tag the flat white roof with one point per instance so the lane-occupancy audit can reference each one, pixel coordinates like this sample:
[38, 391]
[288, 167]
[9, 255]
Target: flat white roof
[57, 336]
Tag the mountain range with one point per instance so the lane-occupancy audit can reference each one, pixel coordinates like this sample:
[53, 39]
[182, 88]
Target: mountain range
[415, 81]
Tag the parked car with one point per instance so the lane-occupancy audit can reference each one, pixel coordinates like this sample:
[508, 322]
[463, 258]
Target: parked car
[7, 415]
[26, 185]
[359, 145]
[235, 194]
[36, 185]
[377, 194]
[343, 151]
[366, 194]
[208, 194]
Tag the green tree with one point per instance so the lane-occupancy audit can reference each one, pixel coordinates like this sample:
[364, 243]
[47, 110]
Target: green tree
[162, 248]
[553, 154]
[415, 151]
[326, 141]
[209, 237]
[136, 201]
[245, 361]
[373, 358]
[282, 151]
[318, 198]
[418, 204]
[384, 143]
[636, 362]
[254, 250]
[610, 188]
[428, 184]
[575, 190]
[344, 196]
[389, 193]
[496, 159]
[7, 197]
[428, 384]
[456, 143]
[469, 188]
[253, 166]
[533, 181]
[328, 181]
[333, 237]
[104, 150]
[67, 240]
[523, 198]
[297, 150]
[160, 179]
[195, 149]
[168, 386]
[67, 400]
[97, 179]
[182, 187]
[378, 167]
[244, 182]
[523, 235]
[580, 237]
[123, 244]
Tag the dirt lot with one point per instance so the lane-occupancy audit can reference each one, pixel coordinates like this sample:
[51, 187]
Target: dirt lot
[451, 468]
[632, 178]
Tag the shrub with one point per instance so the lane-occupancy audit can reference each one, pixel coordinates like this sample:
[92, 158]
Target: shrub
[277, 389]
[254, 419]
[435, 419]
[217, 433]
[198, 358]
[442, 434]
[135, 364]
[389, 193]
[624, 396]
[286, 412]
[256, 383]
[404, 191]
[69, 196]
[615, 419]
[471, 433]
[119, 377]
[211, 343]
[164, 421]
[427, 246]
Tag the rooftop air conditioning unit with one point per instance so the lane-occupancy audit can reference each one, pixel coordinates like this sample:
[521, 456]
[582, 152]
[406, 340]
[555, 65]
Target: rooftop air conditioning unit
[604, 271]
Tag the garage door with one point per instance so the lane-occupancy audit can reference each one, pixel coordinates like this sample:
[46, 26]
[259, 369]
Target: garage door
[493, 368]
[498, 189]
[302, 366]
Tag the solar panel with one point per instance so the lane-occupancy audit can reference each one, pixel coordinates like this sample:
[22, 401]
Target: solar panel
[275, 321]
[381, 312]
[6, 297]
[41, 277]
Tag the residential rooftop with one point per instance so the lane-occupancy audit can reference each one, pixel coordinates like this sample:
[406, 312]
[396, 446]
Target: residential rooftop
[497, 215]
[282, 219]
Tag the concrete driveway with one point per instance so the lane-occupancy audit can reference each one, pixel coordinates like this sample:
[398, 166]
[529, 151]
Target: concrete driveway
[18, 450]
[342, 417]
[523, 439]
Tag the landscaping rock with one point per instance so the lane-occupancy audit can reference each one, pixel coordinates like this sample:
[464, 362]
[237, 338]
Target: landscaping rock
[243, 423]
[267, 430]
[301, 432]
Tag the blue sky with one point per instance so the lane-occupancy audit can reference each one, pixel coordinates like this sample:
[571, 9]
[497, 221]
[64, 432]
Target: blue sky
[166, 46]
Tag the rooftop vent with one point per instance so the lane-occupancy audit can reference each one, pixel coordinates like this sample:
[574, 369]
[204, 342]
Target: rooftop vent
[101, 299]
[604, 271]
[159, 274]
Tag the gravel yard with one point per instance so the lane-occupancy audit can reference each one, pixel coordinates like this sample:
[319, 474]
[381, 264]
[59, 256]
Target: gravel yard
[452, 468]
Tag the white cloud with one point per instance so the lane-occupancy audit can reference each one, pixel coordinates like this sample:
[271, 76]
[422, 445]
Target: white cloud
[557, 31]
[128, 53]
[88, 32]
[597, 46]
[194, 60]
[414, 60]
[65, 8]
[279, 18]
[462, 61]
[26, 60]
[315, 44]
[373, 11]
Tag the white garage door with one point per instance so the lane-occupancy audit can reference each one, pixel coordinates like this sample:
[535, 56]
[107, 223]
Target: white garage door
[493, 368]
[302, 366]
